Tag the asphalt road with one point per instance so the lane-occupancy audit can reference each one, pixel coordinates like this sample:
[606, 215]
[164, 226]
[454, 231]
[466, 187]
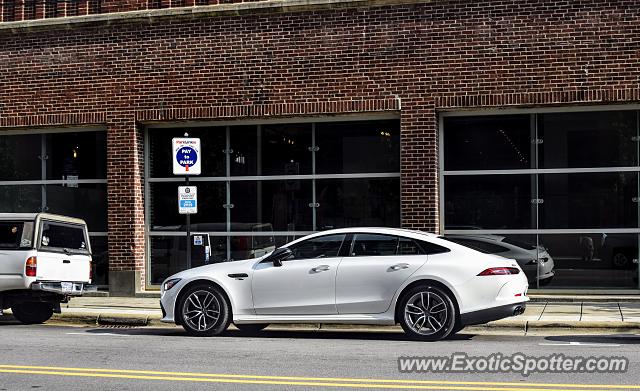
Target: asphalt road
[66, 358]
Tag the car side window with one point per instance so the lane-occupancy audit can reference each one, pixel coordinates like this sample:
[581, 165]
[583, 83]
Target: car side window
[374, 245]
[432, 248]
[319, 247]
[408, 246]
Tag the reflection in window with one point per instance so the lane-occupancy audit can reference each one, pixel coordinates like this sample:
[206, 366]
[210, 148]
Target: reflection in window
[488, 143]
[358, 202]
[279, 205]
[489, 202]
[285, 149]
[597, 139]
[348, 147]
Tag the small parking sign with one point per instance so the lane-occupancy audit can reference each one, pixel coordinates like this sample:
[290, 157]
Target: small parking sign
[187, 200]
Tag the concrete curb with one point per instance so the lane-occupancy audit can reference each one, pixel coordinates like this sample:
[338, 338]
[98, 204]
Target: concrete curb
[110, 319]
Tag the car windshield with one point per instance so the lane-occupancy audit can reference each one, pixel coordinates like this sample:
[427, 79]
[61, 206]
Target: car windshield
[16, 234]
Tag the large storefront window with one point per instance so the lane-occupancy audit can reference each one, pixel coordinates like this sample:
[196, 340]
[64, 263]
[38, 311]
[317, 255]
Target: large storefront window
[62, 172]
[563, 186]
[265, 185]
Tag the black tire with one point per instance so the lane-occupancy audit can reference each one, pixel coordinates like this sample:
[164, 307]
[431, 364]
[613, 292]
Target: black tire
[433, 315]
[251, 328]
[458, 327]
[203, 323]
[32, 313]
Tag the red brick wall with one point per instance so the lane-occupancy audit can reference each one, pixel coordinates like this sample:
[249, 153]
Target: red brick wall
[416, 59]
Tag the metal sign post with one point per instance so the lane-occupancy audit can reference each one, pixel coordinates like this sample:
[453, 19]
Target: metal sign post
[186, 161]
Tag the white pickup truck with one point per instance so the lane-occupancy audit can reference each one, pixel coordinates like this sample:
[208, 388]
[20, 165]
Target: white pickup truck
[44, 259]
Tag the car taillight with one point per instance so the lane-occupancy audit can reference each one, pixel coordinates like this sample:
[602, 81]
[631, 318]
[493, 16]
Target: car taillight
[499, 271]
[31, 267]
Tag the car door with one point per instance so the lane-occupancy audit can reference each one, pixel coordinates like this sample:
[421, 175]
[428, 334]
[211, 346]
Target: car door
[376, 267]
[303, 285]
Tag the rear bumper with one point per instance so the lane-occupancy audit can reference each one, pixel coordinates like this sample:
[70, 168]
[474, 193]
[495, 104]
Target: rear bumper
[491, 314]
[68, 289]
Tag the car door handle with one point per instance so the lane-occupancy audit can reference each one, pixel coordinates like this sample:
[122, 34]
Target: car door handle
[321, 268]
[66, 261]
[399, 266]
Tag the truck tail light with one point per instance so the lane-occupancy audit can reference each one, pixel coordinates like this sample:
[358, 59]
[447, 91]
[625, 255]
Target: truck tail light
[499, 271]
[91, 269]
[31, 267]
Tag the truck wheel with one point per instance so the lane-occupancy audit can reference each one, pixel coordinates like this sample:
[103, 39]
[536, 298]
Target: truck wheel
[32, 313]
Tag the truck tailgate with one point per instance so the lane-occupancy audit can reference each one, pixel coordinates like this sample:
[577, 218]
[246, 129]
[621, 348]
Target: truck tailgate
[63, 267]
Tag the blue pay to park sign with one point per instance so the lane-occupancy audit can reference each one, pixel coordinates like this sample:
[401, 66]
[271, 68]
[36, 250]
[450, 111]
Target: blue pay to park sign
[186, 156]
[187, 200]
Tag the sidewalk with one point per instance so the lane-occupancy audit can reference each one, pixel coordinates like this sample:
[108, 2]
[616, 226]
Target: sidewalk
[540, 314]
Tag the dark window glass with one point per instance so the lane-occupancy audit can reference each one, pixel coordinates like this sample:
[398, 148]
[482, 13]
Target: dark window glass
[285, 149]
[489, 202]
[596, 139]
[211, 216]
[520, 243]
[431, 248]
[80, 155]
[50, 8]
[247, 247]
[592, 260]
[408, 246]
[73, 7]
[8, 10]
[85, 201]
[29, 9]
[353, 147]
[319, 247]
[95, 6]
[168, 255]
[100, 260]
[479, 245]
[358, 202]
[16, 234]
[487, 143]
[62, 236]
[374, 245]
[21, 199]
[213, 144]
[244, 144]
[592, 200]
[20, 157]
[272, 205]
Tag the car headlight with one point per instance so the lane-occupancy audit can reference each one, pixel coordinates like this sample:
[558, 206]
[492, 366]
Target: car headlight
[170, 283]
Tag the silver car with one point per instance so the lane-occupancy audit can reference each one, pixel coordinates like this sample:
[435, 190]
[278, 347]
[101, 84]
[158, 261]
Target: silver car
[534, 261]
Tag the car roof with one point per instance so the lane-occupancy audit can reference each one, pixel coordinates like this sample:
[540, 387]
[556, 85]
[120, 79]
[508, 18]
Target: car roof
[34, 216]
[495, 238]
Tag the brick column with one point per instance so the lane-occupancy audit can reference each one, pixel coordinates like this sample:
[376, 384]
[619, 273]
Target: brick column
[125, 181]
[419, 165]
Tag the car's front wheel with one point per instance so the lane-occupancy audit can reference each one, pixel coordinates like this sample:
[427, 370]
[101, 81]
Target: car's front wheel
[204, 311]
[427, 313]
[32, 313]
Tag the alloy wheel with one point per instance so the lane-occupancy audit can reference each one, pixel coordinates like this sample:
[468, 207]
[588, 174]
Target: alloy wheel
[201, 310]
[426, 313]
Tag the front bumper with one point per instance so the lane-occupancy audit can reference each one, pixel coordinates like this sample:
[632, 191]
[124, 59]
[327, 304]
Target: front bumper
[63, 288]
[491, 314]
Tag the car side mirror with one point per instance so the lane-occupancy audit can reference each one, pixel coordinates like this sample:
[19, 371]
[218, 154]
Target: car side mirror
[279, 255]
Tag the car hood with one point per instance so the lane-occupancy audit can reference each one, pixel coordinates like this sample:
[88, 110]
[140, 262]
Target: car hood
[215, 269]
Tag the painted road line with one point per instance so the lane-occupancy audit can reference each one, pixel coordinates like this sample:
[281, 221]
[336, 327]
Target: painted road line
[604, 345]
[308, 381]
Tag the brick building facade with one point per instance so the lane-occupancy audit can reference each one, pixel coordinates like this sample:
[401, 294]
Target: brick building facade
[131, 67]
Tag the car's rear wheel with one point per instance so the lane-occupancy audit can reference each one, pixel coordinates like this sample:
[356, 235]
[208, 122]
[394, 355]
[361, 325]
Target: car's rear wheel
[204, 311]
[251, 328]
[33, 312]
[427, 313]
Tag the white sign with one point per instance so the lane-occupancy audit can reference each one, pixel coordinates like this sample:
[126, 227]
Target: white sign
[186, 156]
[187, 200]
[197, 240]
